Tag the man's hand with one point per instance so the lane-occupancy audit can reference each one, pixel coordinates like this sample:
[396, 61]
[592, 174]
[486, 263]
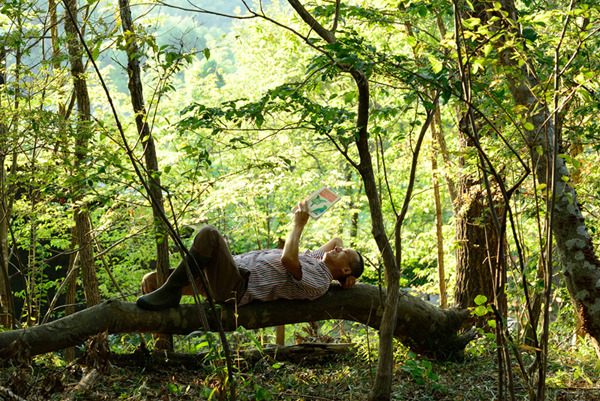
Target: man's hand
[348, 282]
[289, 257]
[331, 244]
[301, 214]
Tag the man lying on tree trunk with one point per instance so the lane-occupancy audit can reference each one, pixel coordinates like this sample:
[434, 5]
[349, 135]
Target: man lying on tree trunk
[264, 275]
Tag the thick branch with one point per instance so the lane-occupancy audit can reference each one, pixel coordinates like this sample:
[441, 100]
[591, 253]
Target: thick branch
[311, 22]
[423, 327]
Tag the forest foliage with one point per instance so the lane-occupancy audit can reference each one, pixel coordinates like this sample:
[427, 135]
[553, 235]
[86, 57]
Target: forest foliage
[251, 112]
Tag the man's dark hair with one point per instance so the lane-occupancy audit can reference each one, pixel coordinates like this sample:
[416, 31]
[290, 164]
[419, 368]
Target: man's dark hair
[357, 266]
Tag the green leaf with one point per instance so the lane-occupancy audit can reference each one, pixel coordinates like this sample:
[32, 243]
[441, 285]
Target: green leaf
[529, 34]
[206, 53]
[569, 197]
[480, 299]
[350, 96]
[487, 49]
[472, 23]
[436, 65]
[529, 127]
[480, 310]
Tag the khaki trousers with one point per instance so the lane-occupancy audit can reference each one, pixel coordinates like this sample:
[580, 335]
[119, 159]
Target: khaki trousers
[227, 283]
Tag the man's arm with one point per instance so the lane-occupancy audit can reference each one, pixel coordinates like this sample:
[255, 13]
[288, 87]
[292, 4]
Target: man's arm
[332, 243]
[289, 258]
[349, 281]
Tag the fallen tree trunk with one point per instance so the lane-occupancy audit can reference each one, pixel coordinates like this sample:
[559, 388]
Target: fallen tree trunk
[421, 326]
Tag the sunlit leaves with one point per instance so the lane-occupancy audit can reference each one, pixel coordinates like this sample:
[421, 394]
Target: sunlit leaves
[436, 64]
[309, 114]
[471, 23]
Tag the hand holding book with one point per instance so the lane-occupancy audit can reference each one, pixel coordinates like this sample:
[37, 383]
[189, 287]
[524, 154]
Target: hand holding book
[320, 201]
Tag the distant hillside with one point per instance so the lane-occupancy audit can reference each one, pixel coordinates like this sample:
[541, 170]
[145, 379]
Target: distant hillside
[179, 23]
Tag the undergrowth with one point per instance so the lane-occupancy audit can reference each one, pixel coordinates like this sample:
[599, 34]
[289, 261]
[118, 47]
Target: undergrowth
[573, 371]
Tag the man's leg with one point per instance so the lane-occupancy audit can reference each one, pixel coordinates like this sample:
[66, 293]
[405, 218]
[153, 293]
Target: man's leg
[226, 282]
[169, 294]
[210, 253]
[150, 283]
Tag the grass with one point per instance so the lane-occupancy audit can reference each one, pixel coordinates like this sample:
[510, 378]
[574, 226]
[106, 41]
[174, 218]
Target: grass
[573, 374]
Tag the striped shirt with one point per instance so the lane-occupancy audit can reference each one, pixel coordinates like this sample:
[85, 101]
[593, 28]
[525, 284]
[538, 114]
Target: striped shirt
[269, 280]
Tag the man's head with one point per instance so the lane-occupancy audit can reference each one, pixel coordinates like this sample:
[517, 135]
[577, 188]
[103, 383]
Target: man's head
[344, 262]
[358, 266]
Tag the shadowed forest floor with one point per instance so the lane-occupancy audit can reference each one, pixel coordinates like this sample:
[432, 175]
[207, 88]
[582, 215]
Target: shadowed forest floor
[336, 377]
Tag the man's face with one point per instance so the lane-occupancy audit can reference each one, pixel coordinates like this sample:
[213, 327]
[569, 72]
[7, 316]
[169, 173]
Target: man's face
[340, 258]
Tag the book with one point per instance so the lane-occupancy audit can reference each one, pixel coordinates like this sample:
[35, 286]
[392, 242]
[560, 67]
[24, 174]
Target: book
[320, 201]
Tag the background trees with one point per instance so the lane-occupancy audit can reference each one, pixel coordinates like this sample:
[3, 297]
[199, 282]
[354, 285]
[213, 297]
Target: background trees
[257, 109]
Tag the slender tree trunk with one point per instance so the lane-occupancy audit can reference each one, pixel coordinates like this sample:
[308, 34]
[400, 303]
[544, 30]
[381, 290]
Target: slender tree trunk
[33, 267]
[82, 215]
[383, 379]
[439, 136]
[146, 138]
[71, 292]
[137, 100]
[55, 47]
[438, 218]
[15, 125]
[353, 235]
[448, 165]
[7, 308]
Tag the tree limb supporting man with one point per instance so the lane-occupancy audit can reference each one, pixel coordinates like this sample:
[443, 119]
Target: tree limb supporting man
[422, 326]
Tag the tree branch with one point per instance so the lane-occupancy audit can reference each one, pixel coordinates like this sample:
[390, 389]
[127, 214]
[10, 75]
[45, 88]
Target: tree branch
[423, 327]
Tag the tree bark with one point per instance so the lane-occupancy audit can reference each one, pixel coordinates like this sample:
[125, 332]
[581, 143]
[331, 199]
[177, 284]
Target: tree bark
[7, 309]
[438, 210]
[71, 289]
[82, 215]
[141, 120]
[423, 327]
[477, 240]
[581, 266]
[137, 100]
[33, 272]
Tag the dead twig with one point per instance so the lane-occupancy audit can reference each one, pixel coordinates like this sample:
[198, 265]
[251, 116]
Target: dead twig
[84, 384]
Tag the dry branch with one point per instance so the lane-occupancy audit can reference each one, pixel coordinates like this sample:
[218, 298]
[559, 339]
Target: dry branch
[84, 385]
